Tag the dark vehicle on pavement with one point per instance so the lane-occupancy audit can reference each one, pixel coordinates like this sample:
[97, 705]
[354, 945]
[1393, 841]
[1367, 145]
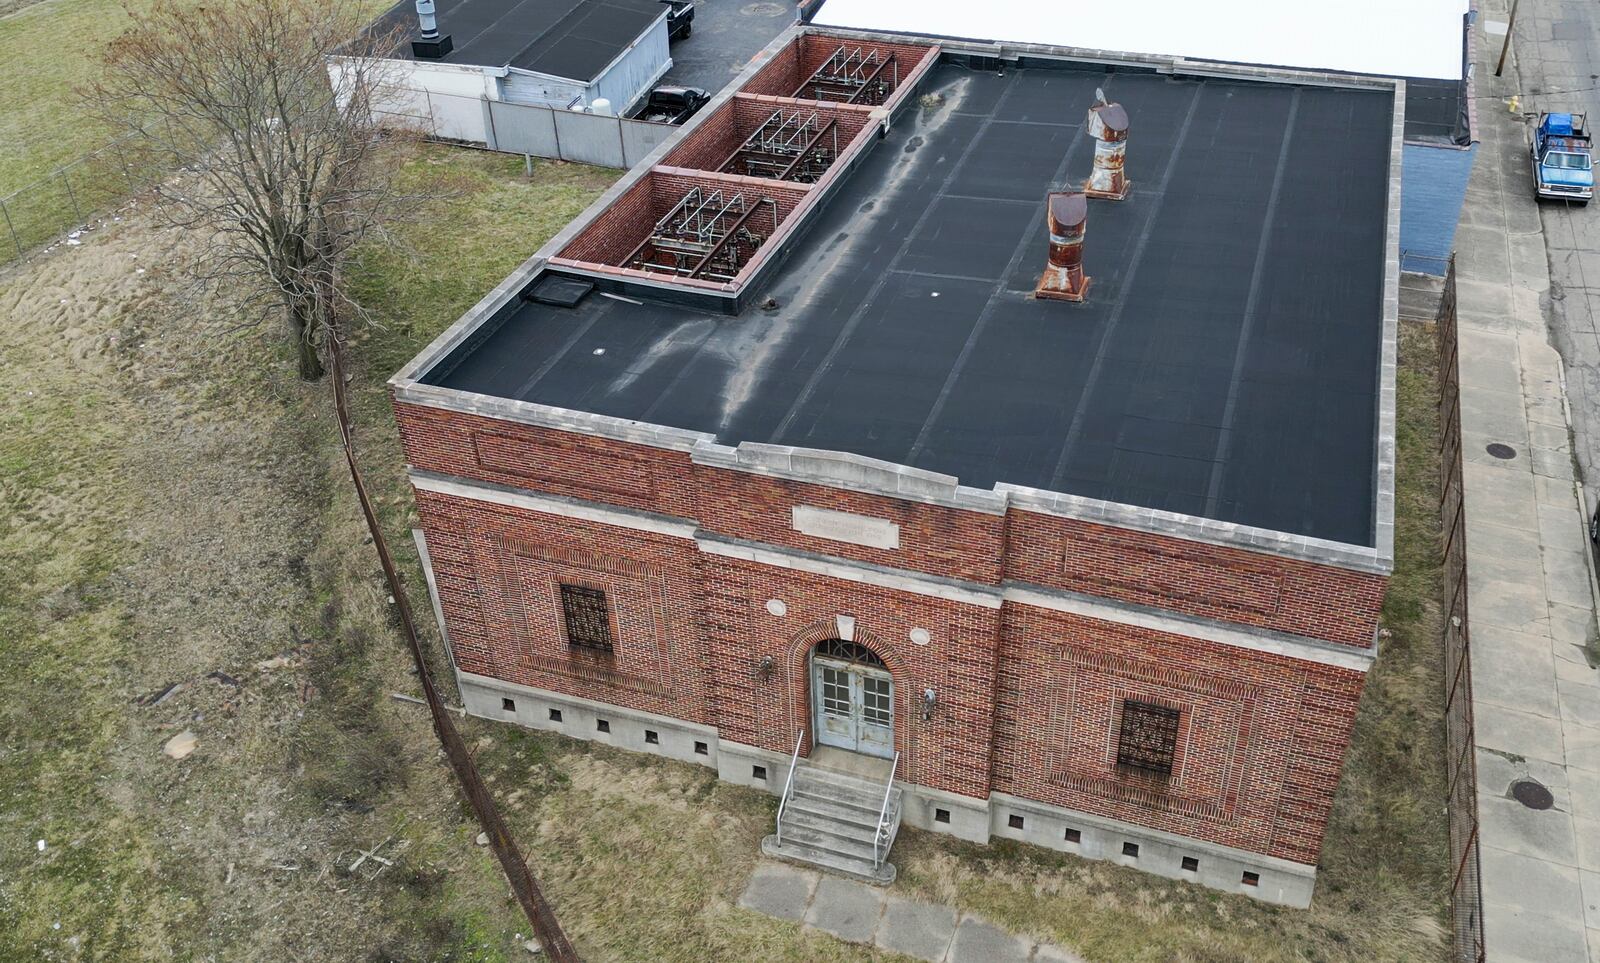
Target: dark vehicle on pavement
[673, 105]
[680, 19]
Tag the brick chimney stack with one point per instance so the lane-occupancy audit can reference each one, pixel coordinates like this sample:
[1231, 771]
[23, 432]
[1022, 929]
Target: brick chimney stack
[1063, 278]
[1108, 125]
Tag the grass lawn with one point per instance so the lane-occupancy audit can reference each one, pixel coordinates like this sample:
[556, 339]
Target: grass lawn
[172, 504]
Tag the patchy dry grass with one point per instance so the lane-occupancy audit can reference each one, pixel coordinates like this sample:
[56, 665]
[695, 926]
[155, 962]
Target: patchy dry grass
[171, 503]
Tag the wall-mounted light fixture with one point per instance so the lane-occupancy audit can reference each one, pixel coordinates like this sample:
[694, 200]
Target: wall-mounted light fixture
[930, 702]
[763, 670]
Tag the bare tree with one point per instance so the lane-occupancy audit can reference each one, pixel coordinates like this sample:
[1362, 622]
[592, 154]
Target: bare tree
[281, 162]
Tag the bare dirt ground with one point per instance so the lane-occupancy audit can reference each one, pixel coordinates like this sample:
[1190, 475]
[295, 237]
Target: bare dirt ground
[173, 511]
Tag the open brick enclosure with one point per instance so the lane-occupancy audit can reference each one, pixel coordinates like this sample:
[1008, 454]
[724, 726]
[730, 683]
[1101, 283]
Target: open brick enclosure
[750, 160]
[625, 525]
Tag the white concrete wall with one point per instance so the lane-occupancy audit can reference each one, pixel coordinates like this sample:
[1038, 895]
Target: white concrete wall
[633, 74]
[444, 100]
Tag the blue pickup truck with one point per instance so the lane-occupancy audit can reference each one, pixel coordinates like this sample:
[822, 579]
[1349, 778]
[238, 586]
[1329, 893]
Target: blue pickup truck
[1560, 154]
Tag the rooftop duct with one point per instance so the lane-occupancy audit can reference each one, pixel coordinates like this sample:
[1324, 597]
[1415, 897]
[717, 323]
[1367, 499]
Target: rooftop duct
[1063, 278]
[1108, 125]
[430, 45]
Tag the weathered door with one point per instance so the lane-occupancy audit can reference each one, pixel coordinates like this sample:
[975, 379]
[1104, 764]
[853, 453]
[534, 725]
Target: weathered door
[853, 705]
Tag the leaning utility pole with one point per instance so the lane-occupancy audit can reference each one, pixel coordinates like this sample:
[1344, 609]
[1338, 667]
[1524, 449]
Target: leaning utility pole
[543, 919]
[1505, 47]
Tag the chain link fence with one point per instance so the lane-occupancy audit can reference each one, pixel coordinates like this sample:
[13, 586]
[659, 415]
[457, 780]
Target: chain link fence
[68, 197]
[1461, 770]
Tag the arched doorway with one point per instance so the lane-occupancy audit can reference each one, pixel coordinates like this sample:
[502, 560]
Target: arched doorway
[852, 698]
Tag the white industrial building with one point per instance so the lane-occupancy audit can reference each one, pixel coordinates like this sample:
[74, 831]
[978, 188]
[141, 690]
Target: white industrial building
[563, 54]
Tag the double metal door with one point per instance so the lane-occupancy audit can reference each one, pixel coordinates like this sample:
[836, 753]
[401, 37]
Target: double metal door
[854, 706]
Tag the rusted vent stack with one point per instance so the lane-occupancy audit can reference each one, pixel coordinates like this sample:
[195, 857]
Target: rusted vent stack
[1108, 125]
[1063, 278]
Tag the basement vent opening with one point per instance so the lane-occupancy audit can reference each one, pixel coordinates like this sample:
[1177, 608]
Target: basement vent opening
[759, 772]
[1130, 850]
[652, 737]
[941, 815]
[604, 725]
[1191, 865]
[1074, 836]
[701, 749]
[1015, 821]
[1251, 879]
[559, 291]
[509, 705]
[555, 715]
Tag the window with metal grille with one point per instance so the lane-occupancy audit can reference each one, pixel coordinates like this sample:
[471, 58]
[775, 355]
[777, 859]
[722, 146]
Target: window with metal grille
[588, 617]
[1147, 739]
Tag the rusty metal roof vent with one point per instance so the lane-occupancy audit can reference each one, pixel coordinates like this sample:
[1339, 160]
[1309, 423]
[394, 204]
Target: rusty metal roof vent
[1108, 125]
[1063, 278]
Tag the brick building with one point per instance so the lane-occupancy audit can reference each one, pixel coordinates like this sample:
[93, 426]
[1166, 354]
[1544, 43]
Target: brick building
[773, 458]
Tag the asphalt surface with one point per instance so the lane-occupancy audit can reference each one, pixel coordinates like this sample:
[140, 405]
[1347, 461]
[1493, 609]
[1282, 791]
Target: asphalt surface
[726, 34]
[1224, 365]
[1556, 66]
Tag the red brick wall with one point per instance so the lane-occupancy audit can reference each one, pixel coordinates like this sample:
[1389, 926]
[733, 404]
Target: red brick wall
[1234, 585]
[1028, 697]
[499, 570]
[619, 229]
[1260, 743]
[794, 64]
[950, 752]
[718, 136]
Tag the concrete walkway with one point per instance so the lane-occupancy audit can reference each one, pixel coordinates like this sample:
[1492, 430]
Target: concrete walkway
[1530, 589]
[858, 913]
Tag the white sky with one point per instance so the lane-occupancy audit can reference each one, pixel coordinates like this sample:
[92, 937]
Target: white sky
[1392, 38]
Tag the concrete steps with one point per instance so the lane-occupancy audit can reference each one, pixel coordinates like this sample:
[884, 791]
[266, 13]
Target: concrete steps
[830, 821]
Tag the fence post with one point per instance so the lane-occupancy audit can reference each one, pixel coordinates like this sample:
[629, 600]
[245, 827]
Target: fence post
[11, 227]
[622, 146]
[555, 129]
[73, 197]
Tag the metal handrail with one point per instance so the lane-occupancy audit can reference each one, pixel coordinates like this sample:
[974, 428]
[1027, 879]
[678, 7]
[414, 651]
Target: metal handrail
[788, 785]
[883, 818]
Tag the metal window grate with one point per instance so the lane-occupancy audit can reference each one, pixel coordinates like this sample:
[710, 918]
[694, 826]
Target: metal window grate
[1148, 738]
[588, 617]
[849, 652]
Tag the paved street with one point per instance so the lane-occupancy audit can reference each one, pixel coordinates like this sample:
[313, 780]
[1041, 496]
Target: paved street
[1557, 67]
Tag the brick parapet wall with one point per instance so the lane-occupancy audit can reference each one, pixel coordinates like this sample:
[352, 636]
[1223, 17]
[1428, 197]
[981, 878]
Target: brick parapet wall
[1195, 578]
[794, 64]
[608, 240]
[716, 139]
[1192, 578]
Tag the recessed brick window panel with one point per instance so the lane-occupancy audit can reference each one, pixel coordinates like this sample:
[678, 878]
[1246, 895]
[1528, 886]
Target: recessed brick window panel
[758, 772]
[508, 705]
[555, 715]
[652, 737]
[1191, 864]
[1074, 836]
[604, 725]
[1251, 879]
[587, 617]
[1147, 738]
[1015, 821]
[941, 815]
[1130, 850]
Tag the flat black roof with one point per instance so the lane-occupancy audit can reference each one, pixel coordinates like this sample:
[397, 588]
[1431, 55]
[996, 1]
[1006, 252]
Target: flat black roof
[574, 39]
[1225, 365]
